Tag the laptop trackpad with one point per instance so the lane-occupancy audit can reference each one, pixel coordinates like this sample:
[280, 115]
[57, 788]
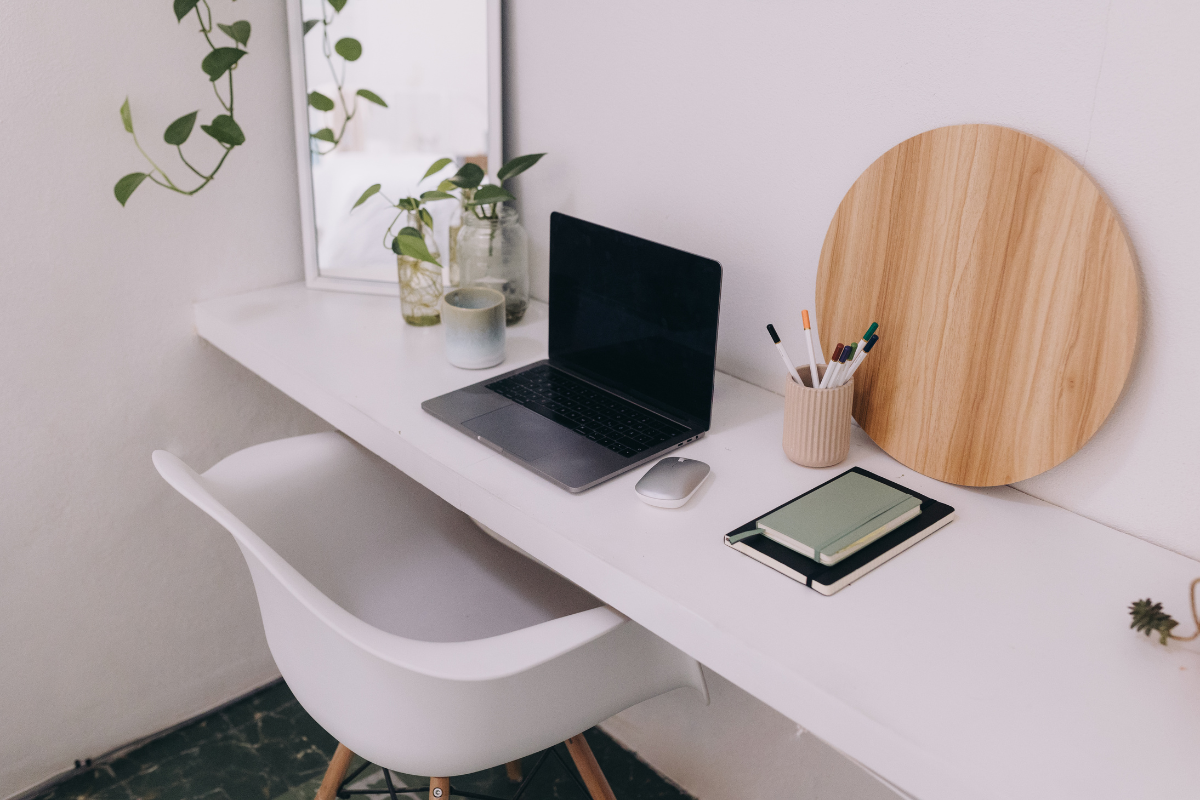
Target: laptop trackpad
[524, 433]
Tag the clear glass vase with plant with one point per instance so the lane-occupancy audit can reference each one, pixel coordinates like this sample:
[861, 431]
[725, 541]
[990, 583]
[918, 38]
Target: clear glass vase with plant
[417, 264]
[488, 246]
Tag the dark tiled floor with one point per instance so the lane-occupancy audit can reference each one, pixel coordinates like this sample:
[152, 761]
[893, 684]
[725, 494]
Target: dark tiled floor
[267, 747]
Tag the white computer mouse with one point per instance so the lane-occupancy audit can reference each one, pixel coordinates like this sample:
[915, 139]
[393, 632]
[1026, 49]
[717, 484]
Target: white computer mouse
[671, 482]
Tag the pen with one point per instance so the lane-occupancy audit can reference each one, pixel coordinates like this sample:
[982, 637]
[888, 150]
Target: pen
[787, 362]
[831, 367]
[812, 355]
[867, 337]
[830, 381]
[862, 356]
[862, 353]
[845, 364]
[856, 353]
[847, 358]
[843, 372]
[858, 357]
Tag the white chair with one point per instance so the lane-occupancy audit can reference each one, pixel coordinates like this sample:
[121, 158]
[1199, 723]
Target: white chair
[416, 640]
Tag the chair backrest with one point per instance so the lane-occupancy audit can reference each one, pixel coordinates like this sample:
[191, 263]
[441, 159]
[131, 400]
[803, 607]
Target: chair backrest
[410, 702]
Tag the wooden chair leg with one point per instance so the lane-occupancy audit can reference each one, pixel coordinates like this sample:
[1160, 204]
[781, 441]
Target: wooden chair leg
[336, 772]
[439, 788]
[513, 769]
[585, 762]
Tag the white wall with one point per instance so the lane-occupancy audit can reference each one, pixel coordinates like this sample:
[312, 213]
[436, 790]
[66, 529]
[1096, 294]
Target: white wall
[734, 129]
[729, 129]
[122, 609]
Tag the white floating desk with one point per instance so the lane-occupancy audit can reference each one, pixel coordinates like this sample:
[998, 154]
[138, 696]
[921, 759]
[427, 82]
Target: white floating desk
[991, 660]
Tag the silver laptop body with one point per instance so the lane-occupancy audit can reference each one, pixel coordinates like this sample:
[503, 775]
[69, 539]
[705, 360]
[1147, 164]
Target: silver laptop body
[633, 335]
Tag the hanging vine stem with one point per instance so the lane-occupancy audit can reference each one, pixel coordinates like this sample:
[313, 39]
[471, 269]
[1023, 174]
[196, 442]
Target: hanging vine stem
[219, 62]
[1149, 617]
[349, 49]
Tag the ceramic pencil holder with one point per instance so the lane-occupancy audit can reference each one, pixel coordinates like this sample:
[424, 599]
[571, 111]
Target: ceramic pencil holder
[816, 422]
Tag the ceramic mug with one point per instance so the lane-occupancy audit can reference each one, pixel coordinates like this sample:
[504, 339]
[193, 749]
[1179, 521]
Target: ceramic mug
[473, 321]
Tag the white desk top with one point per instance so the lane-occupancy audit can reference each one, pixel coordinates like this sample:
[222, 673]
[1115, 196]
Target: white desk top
[991, 660]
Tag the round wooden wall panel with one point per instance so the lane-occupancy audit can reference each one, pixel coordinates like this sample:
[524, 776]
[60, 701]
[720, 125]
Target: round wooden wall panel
[1007, 300]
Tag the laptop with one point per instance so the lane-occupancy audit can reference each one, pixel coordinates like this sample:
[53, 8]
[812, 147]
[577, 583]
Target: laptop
[633, 346]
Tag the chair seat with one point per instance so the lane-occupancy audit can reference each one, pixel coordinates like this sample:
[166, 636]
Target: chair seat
[417, 640]
[383, 547]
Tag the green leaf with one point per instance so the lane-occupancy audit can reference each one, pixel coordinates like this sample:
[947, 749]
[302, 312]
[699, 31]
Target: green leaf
[320, 102]
[408, 203]
[183, 8]
[338, 5]
[309, 24]
[489, 195]
[372, 189]
[225, 130]
[518, 165]
[218, 62]
[126, 116]
[178, 131]
[325, 135]
[349, 49]
[436, 166]
[426, 217]
[468, 176]
[126, 185]
[408, 230]
[238, 31]
[446, 186]
[435, 195]
[1149, 617]
[374, 98]
[412, 246]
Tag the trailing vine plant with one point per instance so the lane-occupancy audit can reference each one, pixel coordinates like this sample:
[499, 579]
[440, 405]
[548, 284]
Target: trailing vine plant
[348, 49]
[1148, 617]
[219, 62]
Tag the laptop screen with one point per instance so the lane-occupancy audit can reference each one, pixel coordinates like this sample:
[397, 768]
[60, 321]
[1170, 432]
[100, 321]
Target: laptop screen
[636, 317]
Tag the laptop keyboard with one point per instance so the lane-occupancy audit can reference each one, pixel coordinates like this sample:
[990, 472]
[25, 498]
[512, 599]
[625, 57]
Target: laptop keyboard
[604, 418]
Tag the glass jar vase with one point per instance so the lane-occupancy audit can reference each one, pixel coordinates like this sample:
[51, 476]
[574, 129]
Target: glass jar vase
[420, 282]
[494, 252]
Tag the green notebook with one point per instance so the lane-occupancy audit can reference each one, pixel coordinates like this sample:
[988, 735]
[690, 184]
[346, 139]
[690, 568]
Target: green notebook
[841, 518]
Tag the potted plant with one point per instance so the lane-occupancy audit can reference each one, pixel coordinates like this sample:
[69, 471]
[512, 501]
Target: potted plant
[417, 254]
[488, 247]
[1149, 617]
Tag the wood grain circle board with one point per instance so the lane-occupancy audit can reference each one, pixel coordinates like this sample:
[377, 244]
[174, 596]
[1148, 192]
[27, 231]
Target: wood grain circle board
[1006, 294]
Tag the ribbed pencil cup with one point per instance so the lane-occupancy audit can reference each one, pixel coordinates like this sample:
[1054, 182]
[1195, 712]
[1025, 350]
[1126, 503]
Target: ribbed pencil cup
[816, 422]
